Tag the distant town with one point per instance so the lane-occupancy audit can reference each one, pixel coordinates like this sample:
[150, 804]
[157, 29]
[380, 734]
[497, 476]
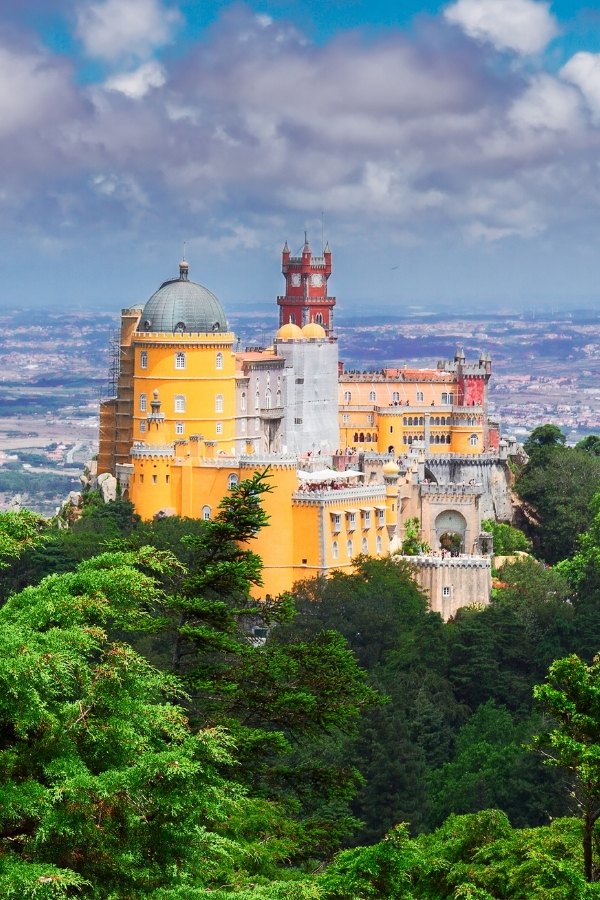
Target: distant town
[56, 366]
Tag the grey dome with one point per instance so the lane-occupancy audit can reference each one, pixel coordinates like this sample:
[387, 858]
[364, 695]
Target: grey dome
[182, 306]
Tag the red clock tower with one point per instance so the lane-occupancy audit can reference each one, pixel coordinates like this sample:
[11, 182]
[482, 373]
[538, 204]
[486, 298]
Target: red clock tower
[306, 297]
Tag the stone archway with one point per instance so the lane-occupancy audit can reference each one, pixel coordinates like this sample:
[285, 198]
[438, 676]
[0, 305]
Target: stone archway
[451, 530]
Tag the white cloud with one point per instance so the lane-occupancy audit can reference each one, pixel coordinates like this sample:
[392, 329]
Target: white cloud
[583, 70]
[136, 84]
[32, 90]
[116, 29]
[523, 26]
[549, 104]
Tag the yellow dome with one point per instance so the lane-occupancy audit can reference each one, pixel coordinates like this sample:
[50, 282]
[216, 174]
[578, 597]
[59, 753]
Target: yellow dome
[313, 330]
[290, 332]
[390, 468]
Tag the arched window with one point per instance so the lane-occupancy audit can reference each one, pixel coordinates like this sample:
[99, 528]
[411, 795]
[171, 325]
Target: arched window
[349, 549]
[219, 403]
[356, 437]
[347, 396]
[334, 550]
[473, 440]
[232, 480]
[437, 438]
[364, 546]
[143, 402]
[404, 439]
[206, 513]
[410, 440]
[368, 437]
[448, 439]
[372, 396]
[431, 439]
[405, 421]
[243, 402]
[278, 399]
[292, 319]
[179, 428]
[143, 359]
[379, 544]
[421, 420]
[420, 397]
[257, 399]
[179, 403]
[395, 397]
[319, 318]
[268, 399]
[361, 438]
[180, 360]
[442, 420]
[219, 360]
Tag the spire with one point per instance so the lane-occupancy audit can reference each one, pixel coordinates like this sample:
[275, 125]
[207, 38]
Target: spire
[286, 249]
[183, 269]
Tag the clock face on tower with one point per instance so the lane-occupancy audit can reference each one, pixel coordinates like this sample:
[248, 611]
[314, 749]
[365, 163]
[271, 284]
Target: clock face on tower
[295, 279]
[316, 279]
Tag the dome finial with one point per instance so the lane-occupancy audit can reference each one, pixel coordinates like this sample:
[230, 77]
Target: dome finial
[183, 266]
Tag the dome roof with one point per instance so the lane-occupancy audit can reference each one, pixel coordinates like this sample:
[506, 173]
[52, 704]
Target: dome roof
[290, 332]
[391, 468]
[313, 330]
[182, 306]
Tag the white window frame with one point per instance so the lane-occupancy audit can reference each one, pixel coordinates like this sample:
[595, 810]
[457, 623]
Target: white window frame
[219, 428]
[179, 403]
[219, 360]
[144, 359]
[180, 360]
[420, 397]
[232, 480]
[206, 513]
[179, 428]
[219, 403]
[143, 403]
[473, 440]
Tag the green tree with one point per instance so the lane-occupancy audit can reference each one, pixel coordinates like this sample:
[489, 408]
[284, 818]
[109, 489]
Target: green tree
[507, 538]
[590, 443]
[543, 438]
[102, 784]
[571, 697]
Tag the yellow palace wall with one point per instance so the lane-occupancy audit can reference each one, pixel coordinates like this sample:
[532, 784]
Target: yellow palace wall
[206, 382]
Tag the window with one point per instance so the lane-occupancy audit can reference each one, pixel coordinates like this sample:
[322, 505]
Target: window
[297, 421]
[142, 427]
[243, 401]
[142, 478]
[232, 480]
[292, 319]
[379, 543]
[206, 513]
[391, 429]
[268, 399]
[243, 426]
[257, 424]
[444, 397]
[219, 403]
[219, 360]
[395, 397]
[420, 396]
[370, 418]
[337, 521]
[381, 516]
[299, 380]
[219, 428]
[334, 550]
[346, 419]
[257, 399]
[179, 403]
[473, 440]
[372, 396]
[364, 546]
[143, 360]
[278, 399]
[143, 403]
[319, 318]
[155, 479]
[351, 521]
[349, 549]
[347, 396]
[445, 592]
[179, 428]
[367, 518]
[180, 360]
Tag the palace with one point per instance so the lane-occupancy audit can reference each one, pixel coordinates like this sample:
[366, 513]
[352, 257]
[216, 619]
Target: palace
[352, 456]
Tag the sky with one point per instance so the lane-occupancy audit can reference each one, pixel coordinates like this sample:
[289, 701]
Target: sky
[449, 152]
